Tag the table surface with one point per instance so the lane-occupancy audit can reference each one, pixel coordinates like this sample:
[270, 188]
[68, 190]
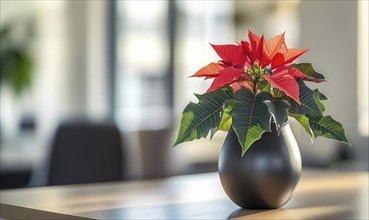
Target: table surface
[319, 195]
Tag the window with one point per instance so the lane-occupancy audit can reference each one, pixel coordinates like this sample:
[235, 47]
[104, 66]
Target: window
[145, 44]
[362, 88]
[142, 87]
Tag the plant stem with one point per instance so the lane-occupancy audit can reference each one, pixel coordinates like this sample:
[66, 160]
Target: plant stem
[255, 85]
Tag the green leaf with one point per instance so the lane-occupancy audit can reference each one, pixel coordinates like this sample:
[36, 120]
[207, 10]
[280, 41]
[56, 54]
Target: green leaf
[278, 108]
[226, 122]
[327, 127]
[321, 96]
[278, 93]
[308, 70]
[264, 85]
[304, 121]
[253, 118]
[310, 102]
[198, 119]
[318, 101]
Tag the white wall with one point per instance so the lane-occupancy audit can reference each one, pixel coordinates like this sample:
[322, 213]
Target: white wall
[329, 29]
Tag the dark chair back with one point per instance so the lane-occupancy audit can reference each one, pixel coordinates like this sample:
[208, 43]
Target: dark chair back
[85, 152]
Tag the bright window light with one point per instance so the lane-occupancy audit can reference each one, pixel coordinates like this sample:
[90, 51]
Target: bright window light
[363, 109]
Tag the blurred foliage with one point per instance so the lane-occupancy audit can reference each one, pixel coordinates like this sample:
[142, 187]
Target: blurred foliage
[16, 62]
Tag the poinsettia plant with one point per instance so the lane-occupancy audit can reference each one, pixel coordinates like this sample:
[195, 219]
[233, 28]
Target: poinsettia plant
[255, 86]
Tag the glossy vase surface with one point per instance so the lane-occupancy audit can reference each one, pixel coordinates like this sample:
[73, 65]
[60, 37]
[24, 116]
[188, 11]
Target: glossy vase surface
[266, 176]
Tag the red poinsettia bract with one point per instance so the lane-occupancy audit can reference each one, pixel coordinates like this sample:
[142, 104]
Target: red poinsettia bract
[270, 59]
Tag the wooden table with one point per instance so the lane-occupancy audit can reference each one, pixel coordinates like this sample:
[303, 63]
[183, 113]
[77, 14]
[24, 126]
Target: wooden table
[319, 195]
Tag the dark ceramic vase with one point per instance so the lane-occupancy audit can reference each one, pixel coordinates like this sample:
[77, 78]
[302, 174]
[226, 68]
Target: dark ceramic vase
[266, 176]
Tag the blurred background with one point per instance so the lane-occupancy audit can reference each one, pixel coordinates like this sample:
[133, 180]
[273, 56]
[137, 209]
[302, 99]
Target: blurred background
[123, 66]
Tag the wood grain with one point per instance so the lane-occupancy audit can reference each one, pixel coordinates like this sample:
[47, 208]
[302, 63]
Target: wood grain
[319, 195]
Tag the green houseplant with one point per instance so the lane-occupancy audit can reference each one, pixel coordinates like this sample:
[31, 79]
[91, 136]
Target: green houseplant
[16, 61]
[255, 87]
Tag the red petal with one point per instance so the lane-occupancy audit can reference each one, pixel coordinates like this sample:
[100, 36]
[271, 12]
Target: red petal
[292, 54]
[272, 47]
[278, 60]
[256, 44]
[237, 85]
[225, 78]
[254, 39]
[246, 47]
[210, 71]
[286, 56]
[285, 82]
[230, 53]
[291, 71]
[247, 50]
